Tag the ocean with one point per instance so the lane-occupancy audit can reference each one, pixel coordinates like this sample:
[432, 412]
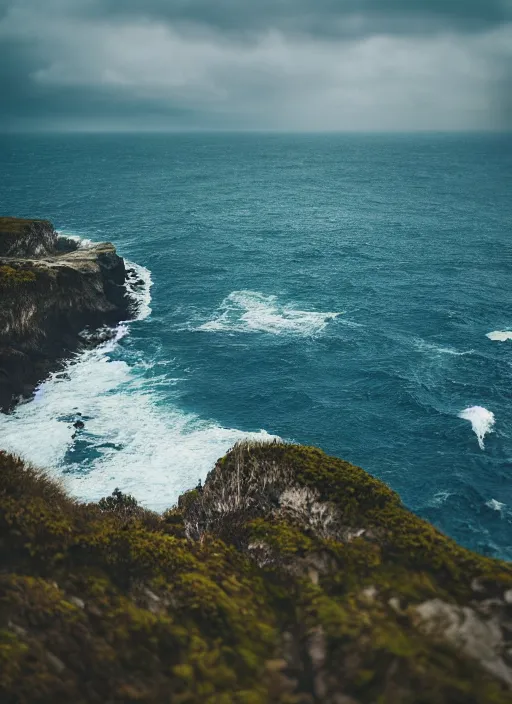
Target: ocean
[351, 292]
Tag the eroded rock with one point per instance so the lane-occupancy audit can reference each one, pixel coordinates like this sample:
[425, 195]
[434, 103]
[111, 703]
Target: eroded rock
[47, 298]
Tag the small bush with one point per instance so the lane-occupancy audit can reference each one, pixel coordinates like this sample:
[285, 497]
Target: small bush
[119, 503]
[15, 277]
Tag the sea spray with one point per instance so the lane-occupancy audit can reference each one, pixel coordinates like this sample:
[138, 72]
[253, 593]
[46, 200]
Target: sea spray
[138, 286]
[482, 421]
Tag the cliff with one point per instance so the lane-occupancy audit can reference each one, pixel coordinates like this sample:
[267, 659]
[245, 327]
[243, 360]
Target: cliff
[290, 577]
[20, 237]
[50, 291]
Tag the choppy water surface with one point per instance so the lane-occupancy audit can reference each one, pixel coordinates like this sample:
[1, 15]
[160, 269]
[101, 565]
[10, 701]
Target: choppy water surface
[348, 292]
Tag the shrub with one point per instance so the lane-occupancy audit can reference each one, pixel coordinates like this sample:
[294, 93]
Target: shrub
[15, 277]
[119, 503]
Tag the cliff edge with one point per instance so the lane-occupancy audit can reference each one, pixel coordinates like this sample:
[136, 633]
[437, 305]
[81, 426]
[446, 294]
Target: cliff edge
[50, 291]
[291, 577]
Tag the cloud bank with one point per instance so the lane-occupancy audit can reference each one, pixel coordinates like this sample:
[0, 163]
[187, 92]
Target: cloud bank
[365, 65]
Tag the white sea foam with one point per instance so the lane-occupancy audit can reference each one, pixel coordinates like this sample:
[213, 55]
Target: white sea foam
[251, 311]
[139, 288]
[440, 498]
[438, 349]
[83, 242]
[149, 449]
[482, 421]
[495, 505]
[500, 335]
[131, 439]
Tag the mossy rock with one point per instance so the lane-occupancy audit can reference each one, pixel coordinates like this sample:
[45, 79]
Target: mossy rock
[290, 576]
[11, 277]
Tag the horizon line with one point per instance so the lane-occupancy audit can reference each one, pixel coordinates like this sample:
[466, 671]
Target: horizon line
[242, 131]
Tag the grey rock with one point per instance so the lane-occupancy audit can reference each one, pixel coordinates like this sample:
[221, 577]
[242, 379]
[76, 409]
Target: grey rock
[477, 636]
[42, 318]
[55, 662]
[77, 602]
[19, 630]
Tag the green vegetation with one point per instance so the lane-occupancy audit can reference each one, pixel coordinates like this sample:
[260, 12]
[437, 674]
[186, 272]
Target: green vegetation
[10, 277]
[119, 503]
[17, 226]
[290, 577]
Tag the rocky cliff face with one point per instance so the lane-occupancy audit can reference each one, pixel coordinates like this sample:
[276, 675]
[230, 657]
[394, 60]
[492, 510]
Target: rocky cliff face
[291, 577]
[20, 237]
[50, 291]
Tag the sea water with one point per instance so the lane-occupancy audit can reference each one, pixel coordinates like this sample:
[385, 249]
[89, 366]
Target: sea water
[350, 292]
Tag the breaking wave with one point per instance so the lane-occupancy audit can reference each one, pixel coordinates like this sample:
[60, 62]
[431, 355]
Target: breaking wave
[251, 311]
[82, 242]
[138, 286]
[495, 505]
[130, 439]
[482, 421]
[500, 335]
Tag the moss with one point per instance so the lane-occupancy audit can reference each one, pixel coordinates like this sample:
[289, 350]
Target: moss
[109, 602]
[365, 502]
[12, 656]
[187, 499]
[18, 226]
[282, 536]
[11, 277]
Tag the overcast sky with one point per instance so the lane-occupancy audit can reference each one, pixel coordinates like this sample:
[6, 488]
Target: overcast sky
[256, 64]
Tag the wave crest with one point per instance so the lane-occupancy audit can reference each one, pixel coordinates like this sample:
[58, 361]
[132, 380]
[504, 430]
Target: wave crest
[130, 438]
[482, 421]
[82, 242]
[138, 286]
[251, 311]
[500, 335]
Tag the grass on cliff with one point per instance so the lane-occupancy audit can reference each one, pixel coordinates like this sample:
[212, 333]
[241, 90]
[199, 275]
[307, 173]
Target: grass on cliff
[11, 277]
[246, 480]
[18, 226]
[109, 602]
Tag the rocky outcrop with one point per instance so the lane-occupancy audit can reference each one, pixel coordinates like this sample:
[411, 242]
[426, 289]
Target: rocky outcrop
[50, 292]
[382, 592]
[291, 577]
[20, 237]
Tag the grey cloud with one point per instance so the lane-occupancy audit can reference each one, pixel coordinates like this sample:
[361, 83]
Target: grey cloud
[323, 17]
[301, 64]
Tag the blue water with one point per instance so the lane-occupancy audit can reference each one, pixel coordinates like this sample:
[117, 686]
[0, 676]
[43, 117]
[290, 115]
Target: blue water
[254, 244]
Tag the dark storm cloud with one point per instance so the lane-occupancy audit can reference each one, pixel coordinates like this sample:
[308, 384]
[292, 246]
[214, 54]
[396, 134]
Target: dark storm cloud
[324, 17]
[285, 64]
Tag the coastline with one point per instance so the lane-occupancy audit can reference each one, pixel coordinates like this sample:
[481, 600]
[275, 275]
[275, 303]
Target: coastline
[290, 577]
[56, 300]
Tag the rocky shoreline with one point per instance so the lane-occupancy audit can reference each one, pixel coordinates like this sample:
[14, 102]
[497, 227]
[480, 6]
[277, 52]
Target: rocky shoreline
[290, 577]
[51, 291]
